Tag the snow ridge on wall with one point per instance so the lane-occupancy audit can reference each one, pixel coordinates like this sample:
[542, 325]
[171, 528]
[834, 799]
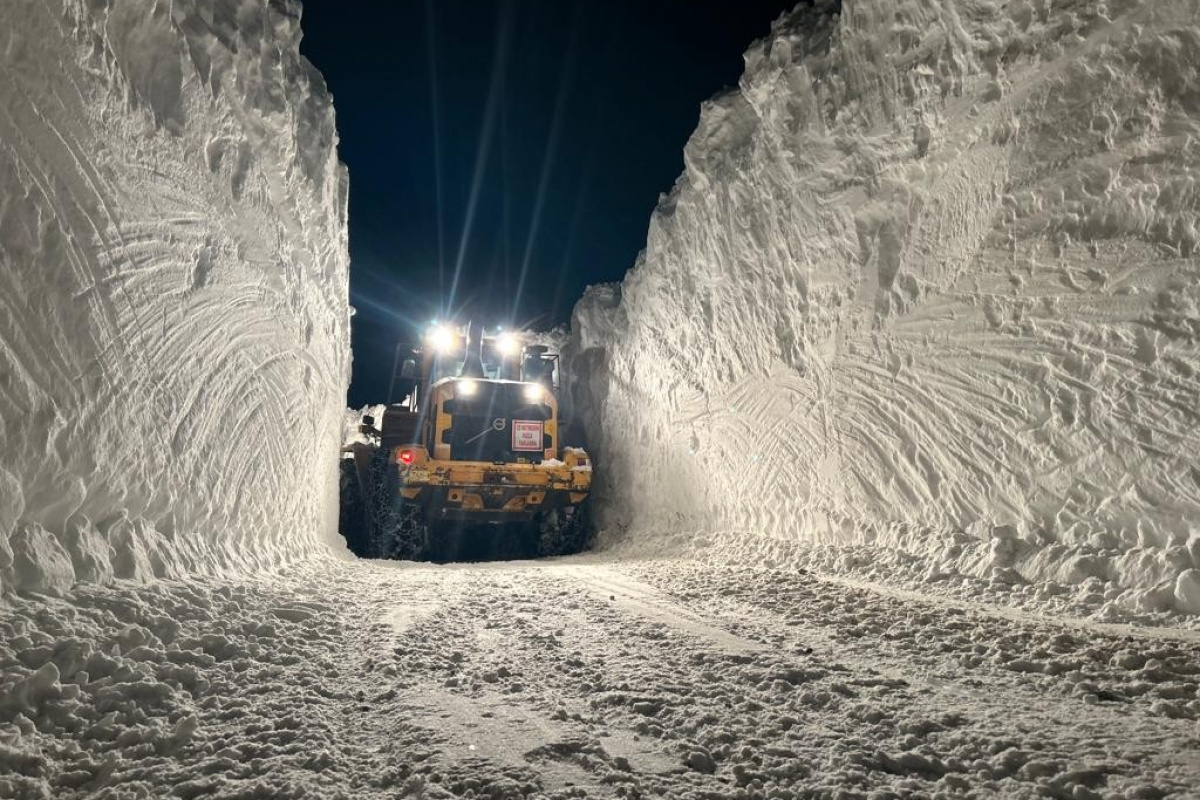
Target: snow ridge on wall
[930, 282]
[173, 290]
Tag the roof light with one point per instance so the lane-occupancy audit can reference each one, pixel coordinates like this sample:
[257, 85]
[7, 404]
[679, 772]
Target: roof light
[441, 339]
[508, 345]
[533, 392]
[466, 388]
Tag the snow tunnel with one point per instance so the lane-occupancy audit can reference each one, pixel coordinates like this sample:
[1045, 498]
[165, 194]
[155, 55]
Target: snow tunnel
[937, 315]
[891, 432]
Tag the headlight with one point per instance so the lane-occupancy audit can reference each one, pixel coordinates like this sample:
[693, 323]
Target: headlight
[508, 345]
[465, 388]
[533, 392]
[441, 339]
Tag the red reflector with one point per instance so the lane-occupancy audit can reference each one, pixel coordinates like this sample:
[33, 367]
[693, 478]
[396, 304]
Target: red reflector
[407, 456]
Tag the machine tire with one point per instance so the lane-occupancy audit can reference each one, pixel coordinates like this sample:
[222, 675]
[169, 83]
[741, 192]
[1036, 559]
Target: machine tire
[352, 517]
[398, 529]
[564, 531]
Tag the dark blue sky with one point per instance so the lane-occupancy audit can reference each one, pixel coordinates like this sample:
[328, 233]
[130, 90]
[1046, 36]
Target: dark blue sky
[558, 123]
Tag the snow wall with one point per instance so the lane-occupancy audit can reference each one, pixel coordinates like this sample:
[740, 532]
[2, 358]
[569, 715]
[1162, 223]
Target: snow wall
[174, 322]
[929, 283]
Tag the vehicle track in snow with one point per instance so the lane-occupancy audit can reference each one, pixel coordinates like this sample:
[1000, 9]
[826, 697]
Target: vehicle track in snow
[643, 600]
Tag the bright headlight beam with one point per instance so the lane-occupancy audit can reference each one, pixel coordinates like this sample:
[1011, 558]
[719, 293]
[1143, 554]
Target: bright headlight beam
[533, 392]
[441, 339]
[465, 388]
[507, 345]
[483, 152]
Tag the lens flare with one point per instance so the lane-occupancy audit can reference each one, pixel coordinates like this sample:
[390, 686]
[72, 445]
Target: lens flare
[508, 345]
[441, 339]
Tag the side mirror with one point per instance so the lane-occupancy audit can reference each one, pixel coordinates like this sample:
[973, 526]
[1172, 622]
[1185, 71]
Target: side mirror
[368, 420]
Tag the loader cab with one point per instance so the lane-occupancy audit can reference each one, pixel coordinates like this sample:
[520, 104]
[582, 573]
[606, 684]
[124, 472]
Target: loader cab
[495, 421]
[467, 396]
[499, 360]
[447, 354]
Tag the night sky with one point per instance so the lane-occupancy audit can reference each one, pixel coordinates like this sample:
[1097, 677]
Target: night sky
[504, 155]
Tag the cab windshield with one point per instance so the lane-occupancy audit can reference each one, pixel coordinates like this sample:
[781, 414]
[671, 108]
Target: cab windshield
[449, 365]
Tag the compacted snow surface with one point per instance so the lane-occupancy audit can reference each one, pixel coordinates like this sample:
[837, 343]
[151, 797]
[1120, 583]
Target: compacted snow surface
[929, 285]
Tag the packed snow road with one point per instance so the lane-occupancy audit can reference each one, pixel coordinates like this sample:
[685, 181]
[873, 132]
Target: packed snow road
[580, 678]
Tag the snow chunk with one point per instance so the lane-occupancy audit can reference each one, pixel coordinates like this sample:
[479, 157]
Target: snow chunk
[1187, 591]
[39, 562]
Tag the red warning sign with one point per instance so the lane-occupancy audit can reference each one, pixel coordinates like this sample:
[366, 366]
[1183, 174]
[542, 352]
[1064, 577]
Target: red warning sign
[526, 435]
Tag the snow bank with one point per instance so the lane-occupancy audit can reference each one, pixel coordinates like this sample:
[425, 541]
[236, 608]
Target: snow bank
[173, 290]
[930, 282]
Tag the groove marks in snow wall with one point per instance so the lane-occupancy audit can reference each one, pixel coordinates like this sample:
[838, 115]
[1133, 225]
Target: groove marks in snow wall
[173, 290]
[930, 282]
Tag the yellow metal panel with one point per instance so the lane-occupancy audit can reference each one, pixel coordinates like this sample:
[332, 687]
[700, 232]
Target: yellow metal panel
[441, 421]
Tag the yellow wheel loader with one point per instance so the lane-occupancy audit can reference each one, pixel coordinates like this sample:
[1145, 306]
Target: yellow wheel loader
[472, 448]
